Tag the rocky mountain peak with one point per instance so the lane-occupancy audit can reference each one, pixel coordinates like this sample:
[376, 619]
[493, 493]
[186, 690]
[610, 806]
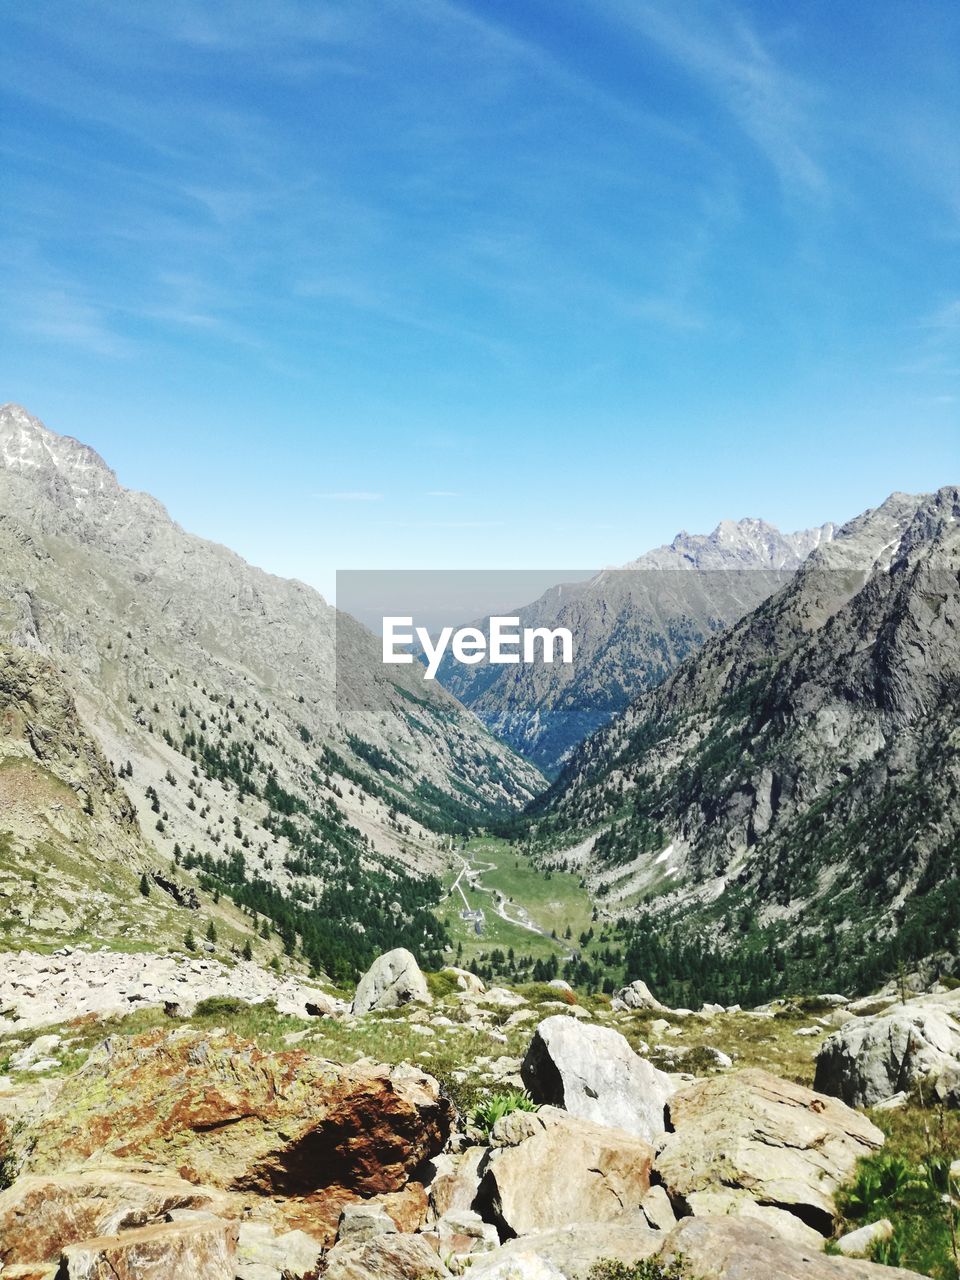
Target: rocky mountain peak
[27, 447]
[749, 543]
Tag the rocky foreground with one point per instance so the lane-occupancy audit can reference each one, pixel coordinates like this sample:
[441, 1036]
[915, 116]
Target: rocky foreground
[188, 1152]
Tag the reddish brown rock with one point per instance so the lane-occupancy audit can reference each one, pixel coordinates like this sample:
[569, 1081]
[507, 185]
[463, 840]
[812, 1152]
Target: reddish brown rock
[40, 1216]
[220, 1112]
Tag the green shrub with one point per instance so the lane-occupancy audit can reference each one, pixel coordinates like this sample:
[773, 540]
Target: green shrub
[442, 984]
[647, 1269]
[486, 1114]
[221, 1007]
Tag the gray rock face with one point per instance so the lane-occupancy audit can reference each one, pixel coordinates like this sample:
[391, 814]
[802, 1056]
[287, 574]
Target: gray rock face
[157, 635]
[394, 979]
[553, 1169]
[870, 1060]
[388, 1257]
[568, 1253]
[362, 1222]
[199, 1250]
[593, 1073]
[761, 764]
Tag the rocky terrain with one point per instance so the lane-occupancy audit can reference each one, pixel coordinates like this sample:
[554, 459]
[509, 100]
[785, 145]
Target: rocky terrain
[506, 1134]
[799, 774]
[631, 626]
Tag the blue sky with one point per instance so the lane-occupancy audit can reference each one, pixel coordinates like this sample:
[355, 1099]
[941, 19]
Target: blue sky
[428, 284]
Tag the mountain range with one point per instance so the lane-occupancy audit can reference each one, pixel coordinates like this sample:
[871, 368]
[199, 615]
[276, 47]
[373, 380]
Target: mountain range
[631, 627]
[244, 720]
[756, 755]
[798, 779]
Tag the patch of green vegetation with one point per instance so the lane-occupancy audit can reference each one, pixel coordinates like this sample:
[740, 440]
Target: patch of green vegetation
[647, 1269]
[486, 1113]
[909, 1183]
[442, 984]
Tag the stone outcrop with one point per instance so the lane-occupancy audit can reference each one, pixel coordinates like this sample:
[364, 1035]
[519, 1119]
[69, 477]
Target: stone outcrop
[749, 1143]
[592, 1072]
[637, 995]
[550, 1169]
[742, 1249]
[869, 1060]
[394, 979]
[263, 1253]
[223, 1113]
[205, 1249]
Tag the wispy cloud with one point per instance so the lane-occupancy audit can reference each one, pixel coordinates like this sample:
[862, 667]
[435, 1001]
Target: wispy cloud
[945, 319]
[773, 106]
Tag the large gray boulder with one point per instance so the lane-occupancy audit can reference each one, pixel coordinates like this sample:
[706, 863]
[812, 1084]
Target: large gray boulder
[593, 1073]
[636, 996]
[394, 979]
[751, 1144]
[552, 1169]
[869, 1060]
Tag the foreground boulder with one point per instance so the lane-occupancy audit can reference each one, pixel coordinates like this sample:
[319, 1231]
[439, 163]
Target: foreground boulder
[221, 1112]
[388, 1257]
[39, 1216]
[394, 979]
[201, 1250]
[593, 1073]
[742, 1249]
[869, 1060]
[750, 1143]
[551, 1169]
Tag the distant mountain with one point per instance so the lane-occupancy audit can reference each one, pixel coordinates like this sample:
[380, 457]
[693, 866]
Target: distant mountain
[250, 725]
[736, 544]
[631, 627]
[796, 783]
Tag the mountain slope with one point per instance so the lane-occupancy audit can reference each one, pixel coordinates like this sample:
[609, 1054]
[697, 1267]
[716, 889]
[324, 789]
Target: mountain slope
[801, 773]
[252, 725]
[631, 627]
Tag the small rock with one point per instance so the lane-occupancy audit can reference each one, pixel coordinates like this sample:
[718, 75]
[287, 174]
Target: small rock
[859, 1243]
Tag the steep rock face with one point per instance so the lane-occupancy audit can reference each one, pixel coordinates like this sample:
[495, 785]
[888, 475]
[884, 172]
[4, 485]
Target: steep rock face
[179, 653]
[805, 759]
[54, 779]
[224, 1114]
[392, 981]
[631, 627]
[740, 1249]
